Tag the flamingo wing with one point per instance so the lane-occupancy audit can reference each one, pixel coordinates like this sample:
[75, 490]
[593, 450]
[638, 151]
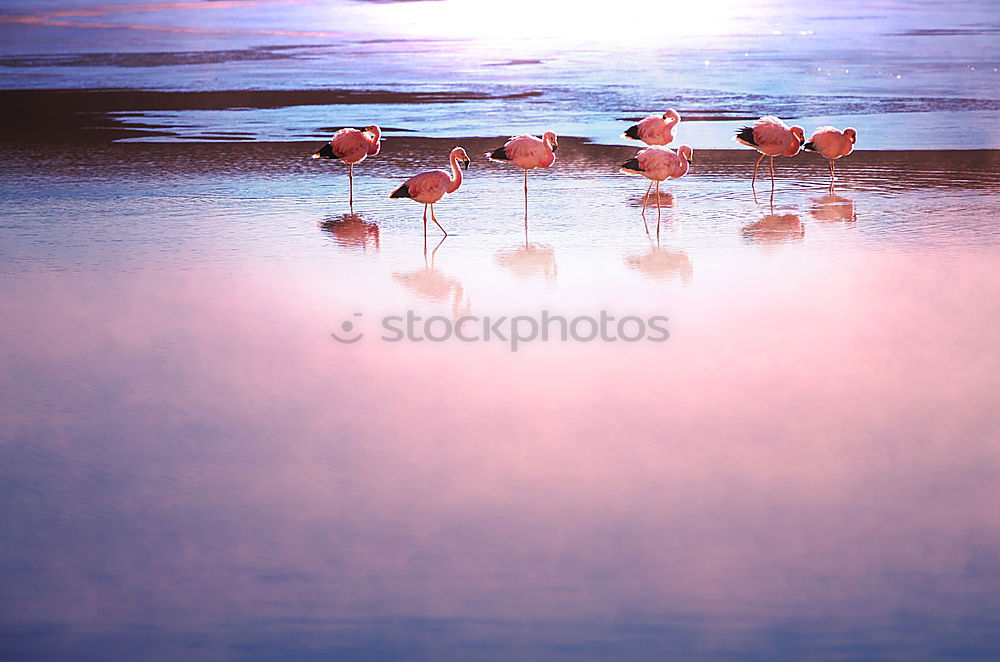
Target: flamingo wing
[501, 153]
[524, 148]
[829, 142]
[428, 186]
[745, 136]
[652, 130]
[348, 143]
[659, 161]
[770, 131]
[632, 165]
[655, 162]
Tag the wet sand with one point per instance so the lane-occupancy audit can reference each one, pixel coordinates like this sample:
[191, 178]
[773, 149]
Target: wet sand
[710, 119]
[102, 115]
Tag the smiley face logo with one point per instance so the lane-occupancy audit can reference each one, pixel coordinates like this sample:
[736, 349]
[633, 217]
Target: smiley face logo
[347, 328]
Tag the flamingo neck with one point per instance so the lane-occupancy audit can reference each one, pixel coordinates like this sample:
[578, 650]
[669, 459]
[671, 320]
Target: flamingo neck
[456, 175]
[550, 158]
[375, 144]
[674, 119]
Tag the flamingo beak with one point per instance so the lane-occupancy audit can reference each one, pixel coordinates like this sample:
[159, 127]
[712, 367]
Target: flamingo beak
[690, 159]
[465, 164]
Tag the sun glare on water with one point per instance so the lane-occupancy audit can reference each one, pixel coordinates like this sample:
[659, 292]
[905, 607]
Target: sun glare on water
[566, 20]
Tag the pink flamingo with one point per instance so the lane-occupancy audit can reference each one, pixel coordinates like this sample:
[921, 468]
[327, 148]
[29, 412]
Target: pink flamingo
[352, 146]
[429, 187]
[832, 144]
[658, 163]
[655, 130]
[527, 152]
[771, 137]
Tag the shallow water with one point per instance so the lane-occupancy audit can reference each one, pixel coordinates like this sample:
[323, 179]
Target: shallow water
[802, 467]
[195, 469]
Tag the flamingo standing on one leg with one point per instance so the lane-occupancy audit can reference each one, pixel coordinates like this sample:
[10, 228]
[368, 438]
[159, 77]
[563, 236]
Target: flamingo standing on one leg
[771, 137]
[429, 187]
[527, 152]
[655, 130]
[831, 145]
[658, 163]
[352, 146]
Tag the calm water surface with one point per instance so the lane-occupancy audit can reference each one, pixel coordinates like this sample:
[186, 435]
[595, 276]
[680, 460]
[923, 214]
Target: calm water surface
[195, 469]
[192, 468]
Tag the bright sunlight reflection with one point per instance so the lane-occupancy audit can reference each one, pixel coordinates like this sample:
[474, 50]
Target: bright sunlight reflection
[568, 20]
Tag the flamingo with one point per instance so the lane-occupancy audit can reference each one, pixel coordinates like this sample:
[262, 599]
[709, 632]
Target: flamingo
[527, 152]
[352, 146]
[832, 144]
[656, 164]
[655, 130]
[771, 137]
[429, 187]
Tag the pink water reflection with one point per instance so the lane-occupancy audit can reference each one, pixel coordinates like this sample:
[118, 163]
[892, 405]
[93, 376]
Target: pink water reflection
[814, 435]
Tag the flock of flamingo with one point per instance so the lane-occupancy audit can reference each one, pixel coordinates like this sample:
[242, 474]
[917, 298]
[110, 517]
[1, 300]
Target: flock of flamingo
[657, 162]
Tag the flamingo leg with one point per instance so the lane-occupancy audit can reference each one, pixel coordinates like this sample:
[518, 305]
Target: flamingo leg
[754, 179]
[645, 199]
[436, 221]
[425, 224]
[657, 208]
[833, 177]
[350, 178]
[772, 173]
[525, 195]
[434, 252]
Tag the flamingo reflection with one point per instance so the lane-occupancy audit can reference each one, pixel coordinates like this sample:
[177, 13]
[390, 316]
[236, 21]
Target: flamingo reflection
[431, 284]
[775, 229]
[833, 208]
[529, 261]
[662, 264]
[665, 201]
[352, 231]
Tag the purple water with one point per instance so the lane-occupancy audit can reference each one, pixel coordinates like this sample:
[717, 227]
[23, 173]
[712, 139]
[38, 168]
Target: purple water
[192, 468]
